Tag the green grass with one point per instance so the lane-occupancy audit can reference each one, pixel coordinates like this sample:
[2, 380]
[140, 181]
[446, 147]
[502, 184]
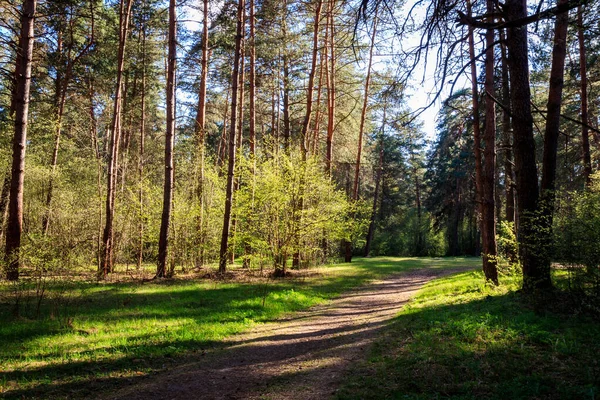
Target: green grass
[460, 339]
[91, 336]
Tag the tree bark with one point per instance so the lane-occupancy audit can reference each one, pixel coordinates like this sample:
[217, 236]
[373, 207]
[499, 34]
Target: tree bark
[330, 90]
[506, 133]
[252, 85]
[23, 65]
[548, 183]
[232, 139]
[489, 168]
[140, 256]
[534, 275]
[163, 240]
[200, 130]
[107, 256]
[585, 137]
[361, 132]
[378, 175]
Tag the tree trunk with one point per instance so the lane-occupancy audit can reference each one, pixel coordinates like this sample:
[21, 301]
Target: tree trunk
[163, 241]
[252, 88]
[232, 139]
[476, 135]
[361, 132]
[585, 137]
[548, 183]
[21, 106]
[506, 133]
[3, 203]
[200, 130]
[330, 90]
[107, 256]
[140, 256]
[488, 185]
[311, 82]
[378, 174]
[534, 274]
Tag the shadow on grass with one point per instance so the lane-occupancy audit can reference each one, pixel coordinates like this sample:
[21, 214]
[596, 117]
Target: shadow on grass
[492, 348]
[196, 317]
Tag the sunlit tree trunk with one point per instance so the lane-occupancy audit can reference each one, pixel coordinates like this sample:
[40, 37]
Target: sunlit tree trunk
[200, 130]
[140, 256]
[163, 240]
[20, 101]
[232, 141]
[107, 255]
[361, 132]
[330, 89]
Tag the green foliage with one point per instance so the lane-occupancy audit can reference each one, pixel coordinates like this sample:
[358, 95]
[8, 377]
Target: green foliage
[508, 249]
[462, 339]
[274, 224]
[577, 236]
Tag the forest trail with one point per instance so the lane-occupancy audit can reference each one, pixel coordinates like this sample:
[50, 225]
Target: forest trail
[303, 356]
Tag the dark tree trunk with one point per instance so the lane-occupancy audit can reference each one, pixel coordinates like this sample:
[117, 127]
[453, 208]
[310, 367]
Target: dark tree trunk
[585, 137]
[548, 183]
[534, 274]
[232, 139]
[378, 175]
[506, 134]
[488, 185]
[21, 107]
[163, 240]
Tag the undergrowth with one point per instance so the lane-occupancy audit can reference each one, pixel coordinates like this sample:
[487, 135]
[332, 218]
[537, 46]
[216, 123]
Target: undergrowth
[461, 339]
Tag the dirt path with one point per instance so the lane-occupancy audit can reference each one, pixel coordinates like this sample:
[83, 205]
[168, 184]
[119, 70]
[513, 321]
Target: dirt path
[302, 357]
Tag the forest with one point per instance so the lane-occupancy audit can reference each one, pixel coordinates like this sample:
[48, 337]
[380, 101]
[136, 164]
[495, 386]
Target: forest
[281, 153]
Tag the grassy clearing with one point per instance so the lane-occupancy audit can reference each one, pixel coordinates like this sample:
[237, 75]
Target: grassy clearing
[93, 335]
[462, 340]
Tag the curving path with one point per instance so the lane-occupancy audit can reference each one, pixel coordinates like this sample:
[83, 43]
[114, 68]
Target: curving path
[301, 357]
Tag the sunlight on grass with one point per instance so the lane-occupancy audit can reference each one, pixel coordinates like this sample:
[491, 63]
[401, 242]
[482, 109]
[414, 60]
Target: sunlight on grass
[463, 339]
[108, 329]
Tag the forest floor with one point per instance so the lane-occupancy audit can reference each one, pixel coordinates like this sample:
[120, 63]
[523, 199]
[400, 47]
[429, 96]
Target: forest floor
[344, 331]
[300, 357]
[70, 336]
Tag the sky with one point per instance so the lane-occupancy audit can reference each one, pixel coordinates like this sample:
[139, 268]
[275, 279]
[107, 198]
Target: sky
[419, 91]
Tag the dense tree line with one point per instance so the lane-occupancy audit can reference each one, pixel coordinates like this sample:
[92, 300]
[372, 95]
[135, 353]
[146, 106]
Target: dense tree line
[274, 132]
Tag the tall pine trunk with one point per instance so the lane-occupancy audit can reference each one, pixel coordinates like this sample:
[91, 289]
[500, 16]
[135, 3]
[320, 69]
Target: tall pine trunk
[548, 182]
[488, 185]
[330, 89]
[232, 140]
[201, 128]
[534, 275]
[163, 240]
[361, 132]
[107, 253]
[585, 137]
[506, 136]
[476, 124]
[20, 101]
